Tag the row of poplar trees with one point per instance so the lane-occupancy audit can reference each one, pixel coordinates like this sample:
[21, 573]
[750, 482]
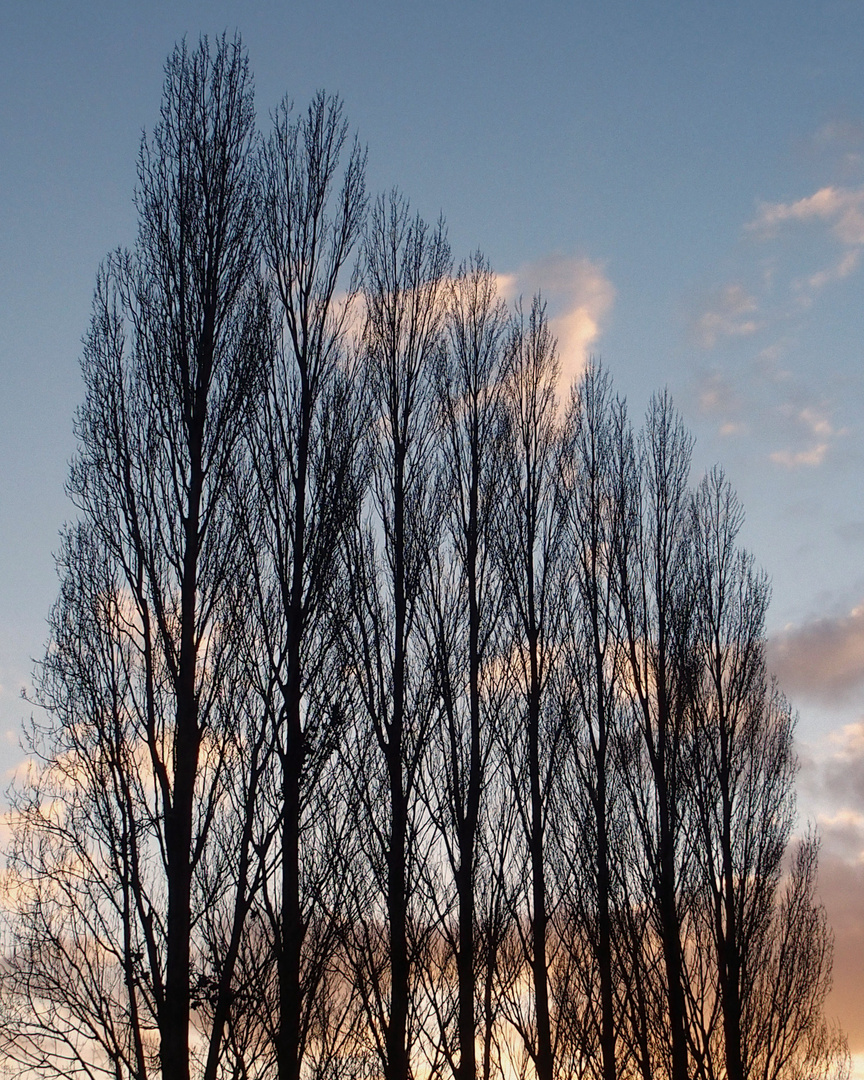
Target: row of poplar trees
[404, 713]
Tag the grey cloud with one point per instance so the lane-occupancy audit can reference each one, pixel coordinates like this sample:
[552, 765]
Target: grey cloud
[852, 532]
[844, 781]
[822, 660]
[832, 777]
[843, 835]
[842, 132]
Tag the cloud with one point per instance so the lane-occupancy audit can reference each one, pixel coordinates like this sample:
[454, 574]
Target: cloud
[841, 779]
[841, 208]
[837, 213]
[802, 458]
[820, 783]
[822, 660]
[835, 780]
[579, 298]
[846, 266]
[852, 532]
[719, 401]
[849, 741]
[815, 425]
[746, 402]
[770, 295]
[843, 833]
[768, 362]
[841, 889]
[716, 394]
[841, 132]
[729, 314]
[815, 420]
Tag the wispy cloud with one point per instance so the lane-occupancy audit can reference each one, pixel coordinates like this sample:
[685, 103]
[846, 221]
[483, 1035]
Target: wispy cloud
[840, 132]
[719, 401]
[813, 424]
[579, 298]
[842, 269]
[729, 313]
[839, 211]
[815, 420]
[841, 208]
[851, 532]
[843, 785]
[801, 428]
[822, 660]
[755, 328]
[800, 459]
[845, 830]
[769, 363]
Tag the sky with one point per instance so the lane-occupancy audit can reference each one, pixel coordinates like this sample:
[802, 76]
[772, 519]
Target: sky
[683, 181]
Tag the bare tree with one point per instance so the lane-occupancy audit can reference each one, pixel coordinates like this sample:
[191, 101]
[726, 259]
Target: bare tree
[785, 1014]
[391, 725]
[587, 834]
[652, 557]
[528, 550]
[303, 489]
[116, 847]
[406, 264]
[743, 775]
[463, 606]
[743, 763]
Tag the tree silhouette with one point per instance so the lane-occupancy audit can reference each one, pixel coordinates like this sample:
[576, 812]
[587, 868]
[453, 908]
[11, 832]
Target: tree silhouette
[303, 488]
[587, 822]
[463, 601]
[395, 721]
[387, 556]
[147, 711]
[528, 551]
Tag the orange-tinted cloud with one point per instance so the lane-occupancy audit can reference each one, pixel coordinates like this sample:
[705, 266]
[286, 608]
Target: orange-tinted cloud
[841, 889]
[834, 779]
[579, 297]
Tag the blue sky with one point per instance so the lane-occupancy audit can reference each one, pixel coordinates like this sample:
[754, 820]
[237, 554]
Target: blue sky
[685, 182]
